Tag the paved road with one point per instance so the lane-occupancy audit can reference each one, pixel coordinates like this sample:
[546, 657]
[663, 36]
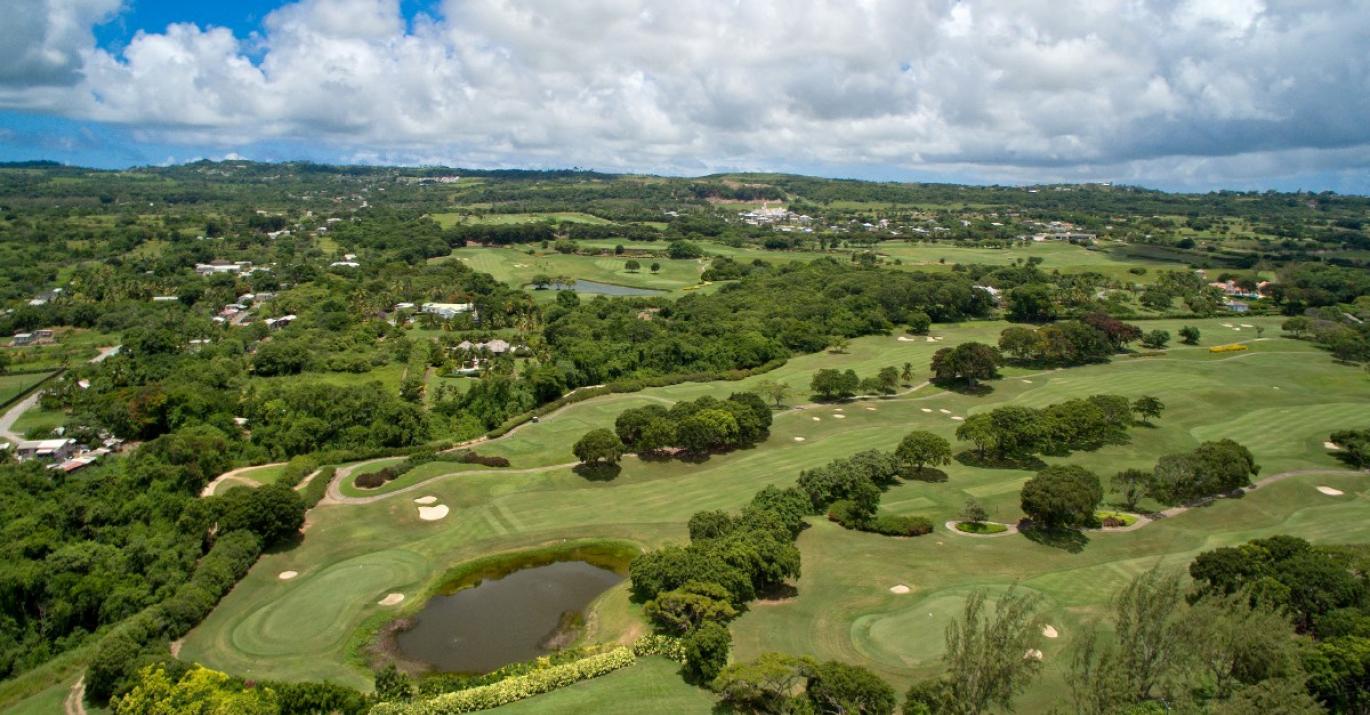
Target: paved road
[17, 410]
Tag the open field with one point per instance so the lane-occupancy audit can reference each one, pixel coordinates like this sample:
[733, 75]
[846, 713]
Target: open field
[451, 219]
[12, 386]
[517, 268]
[1280, 398]
[1055, 255]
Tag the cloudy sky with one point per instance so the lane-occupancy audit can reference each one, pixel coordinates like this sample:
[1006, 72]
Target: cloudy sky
[1180, 94]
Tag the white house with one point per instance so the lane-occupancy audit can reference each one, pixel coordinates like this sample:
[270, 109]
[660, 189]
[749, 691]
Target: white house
[447, 311]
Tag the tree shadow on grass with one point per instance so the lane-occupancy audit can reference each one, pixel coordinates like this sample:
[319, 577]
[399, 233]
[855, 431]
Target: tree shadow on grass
[926, 474]
[961, 387]
[1071, 540]
[970, 458]
[600, 472]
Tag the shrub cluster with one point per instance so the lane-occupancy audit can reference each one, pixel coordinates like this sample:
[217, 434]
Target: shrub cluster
[849, 490]
[1230, 348]
[695, 426]
[513, 689]
[128, 647]
[483, 460]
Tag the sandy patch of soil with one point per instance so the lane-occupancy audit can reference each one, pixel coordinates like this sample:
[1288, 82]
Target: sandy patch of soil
[1049, 631]
[926, 409]
[958, 418]
[839, 417]
[393, 599]
[799, 439]
[1329, 491]
[287, 575]
[1032, 654]
[425, 501]
[945, 412]
[900, 589]
[433, 513]
[1328, 445]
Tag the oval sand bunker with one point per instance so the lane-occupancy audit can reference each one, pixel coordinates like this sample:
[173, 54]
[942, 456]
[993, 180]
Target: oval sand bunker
[1329, 491]
[433, 513]
[799, 439]
[425, 500]
[900, 589]
[393, 599]
[287, 575]
[1049, 631]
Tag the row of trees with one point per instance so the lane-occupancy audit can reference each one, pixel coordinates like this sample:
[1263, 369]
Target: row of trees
[1094, 338]
[691, 426]
[1014, 433]
[831, 384]
[1211, 469]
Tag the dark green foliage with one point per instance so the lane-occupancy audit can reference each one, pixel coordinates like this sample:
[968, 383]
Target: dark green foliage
[840, 689]
[1355, 446]
[684, 609]
[697, 426]
[317, 698]
[1062, 496]
[273, 512]
[969, 362]
[392, 685]
[1211, 469]
[598, 446]
[706, 651]
[830, 384]
[1310, 581]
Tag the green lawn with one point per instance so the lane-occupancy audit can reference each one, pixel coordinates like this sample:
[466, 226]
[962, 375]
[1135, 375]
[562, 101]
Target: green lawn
[1281, 399]
[1055, 255]
[12, 386]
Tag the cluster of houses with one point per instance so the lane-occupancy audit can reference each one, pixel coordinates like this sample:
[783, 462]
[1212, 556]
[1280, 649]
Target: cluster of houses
[1231, 291]
[446, 311]
[62, 453]
[1059, 231]
[37, 337]
[767, 216]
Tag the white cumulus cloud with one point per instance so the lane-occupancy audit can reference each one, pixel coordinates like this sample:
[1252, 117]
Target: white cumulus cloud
[1000, 88]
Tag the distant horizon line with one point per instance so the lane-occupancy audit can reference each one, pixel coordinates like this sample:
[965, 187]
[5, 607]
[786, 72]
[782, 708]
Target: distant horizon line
[39, 163]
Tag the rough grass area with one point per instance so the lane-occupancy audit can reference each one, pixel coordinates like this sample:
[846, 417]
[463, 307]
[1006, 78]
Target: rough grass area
[353, 554]
[12, 386]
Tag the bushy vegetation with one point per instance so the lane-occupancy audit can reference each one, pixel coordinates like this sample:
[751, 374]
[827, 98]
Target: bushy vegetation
[693, 427]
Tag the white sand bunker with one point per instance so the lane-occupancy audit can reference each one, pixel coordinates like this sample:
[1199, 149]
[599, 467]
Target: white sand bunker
[426, 500]
[906, 339]
[837, 409]
[945, 412]
[392, 599]
[433, 513]
[1247, 325]
[287, 575]
[1049, 632]
[870, 409]
[818, 419]
[1228, 325]
[958, 418]
[839, 417]
[1328, 445]
[1329, 491]
[1026, 382]
[926, 409]
[799, 439]
[1032, 654]
[900, 589]
[932, 339]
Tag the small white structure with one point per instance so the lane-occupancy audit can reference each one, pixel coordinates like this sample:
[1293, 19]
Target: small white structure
[280, 322]
[447, 311]
[47, 449]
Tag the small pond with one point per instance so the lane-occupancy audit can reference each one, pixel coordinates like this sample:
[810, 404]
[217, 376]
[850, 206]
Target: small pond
[520, 616]
[597, 288]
